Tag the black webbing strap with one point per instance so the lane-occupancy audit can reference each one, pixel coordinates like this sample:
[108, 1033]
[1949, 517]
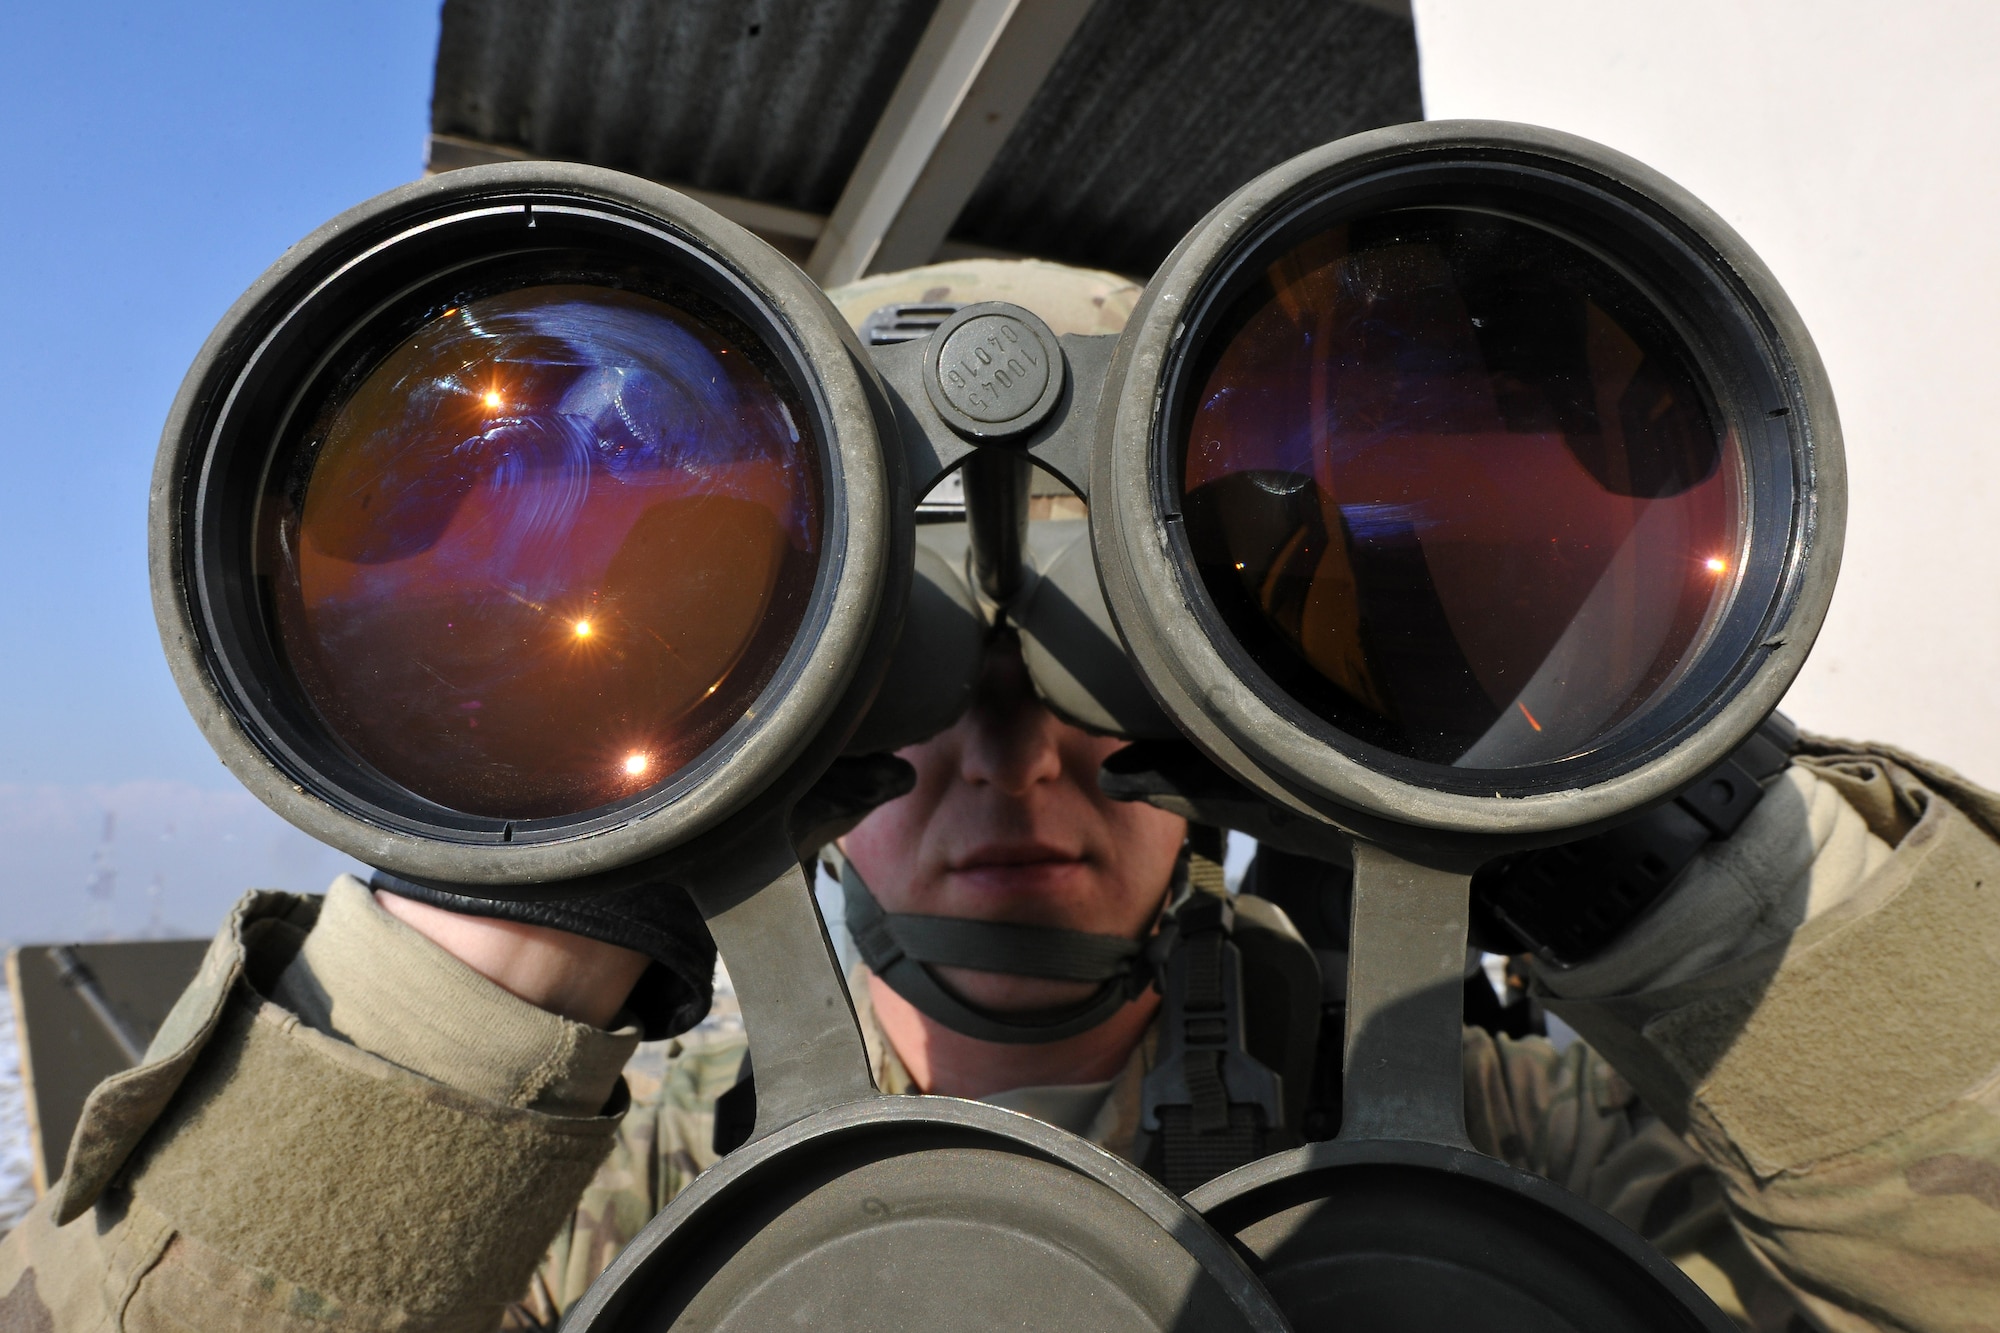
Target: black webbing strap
[1211, 1104]
[1567, 904]
[1205, 1031]
[902, 948]
[1022, 951]
[1191, 1157]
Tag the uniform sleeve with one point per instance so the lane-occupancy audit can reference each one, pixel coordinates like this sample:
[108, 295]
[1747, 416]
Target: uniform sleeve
[1813, 1011]
[257, 1172]
[664, 1142]
[1569, 1116]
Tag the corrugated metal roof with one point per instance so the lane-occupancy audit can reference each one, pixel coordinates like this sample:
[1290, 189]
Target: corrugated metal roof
[769, 99]
[1154, 112]
[1158, 109]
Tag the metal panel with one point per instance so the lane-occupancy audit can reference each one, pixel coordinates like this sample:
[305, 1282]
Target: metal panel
[67, 1045]
[1154, 112]
[1160, 108]
[770, 99]
[978, 67]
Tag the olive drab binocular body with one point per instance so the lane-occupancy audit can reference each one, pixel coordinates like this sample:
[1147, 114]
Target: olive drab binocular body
[1456, 488]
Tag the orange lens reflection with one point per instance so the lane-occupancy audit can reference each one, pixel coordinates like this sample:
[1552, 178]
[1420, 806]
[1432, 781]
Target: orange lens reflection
[1453, 482]
[550, 548]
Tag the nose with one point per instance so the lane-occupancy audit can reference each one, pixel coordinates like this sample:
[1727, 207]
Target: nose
[1009, 736]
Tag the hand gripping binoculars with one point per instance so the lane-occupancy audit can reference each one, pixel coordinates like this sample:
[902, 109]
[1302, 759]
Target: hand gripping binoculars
[1455, 488]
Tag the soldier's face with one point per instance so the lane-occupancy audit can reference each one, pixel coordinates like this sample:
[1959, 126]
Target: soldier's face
[1007, 824]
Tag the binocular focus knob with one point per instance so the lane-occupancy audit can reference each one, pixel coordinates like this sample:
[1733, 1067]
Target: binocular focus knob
[993, 370]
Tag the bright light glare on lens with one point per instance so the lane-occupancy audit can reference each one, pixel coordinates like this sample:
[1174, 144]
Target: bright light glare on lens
[515, 613]
[1454, 483]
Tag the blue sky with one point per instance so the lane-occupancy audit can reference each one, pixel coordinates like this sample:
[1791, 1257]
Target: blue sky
[156, 158]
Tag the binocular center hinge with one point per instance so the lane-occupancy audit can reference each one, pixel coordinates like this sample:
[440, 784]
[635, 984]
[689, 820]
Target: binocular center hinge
[993, 371]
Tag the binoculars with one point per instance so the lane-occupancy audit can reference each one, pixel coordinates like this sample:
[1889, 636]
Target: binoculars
[1455, 488]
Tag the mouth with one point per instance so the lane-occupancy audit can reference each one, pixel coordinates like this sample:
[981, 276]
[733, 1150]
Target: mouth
[1013, 856]
[1017, 867]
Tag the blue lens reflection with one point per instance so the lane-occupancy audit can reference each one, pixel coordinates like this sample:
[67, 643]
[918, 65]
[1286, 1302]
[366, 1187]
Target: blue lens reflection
[552, 545]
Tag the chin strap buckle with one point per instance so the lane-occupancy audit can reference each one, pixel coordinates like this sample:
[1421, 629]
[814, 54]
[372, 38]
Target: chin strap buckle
[1210, 1104]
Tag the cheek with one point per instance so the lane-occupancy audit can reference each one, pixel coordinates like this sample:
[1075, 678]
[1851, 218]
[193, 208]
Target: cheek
[889, 847]
[1148, 842]
[1138, 830]
[1141, 843]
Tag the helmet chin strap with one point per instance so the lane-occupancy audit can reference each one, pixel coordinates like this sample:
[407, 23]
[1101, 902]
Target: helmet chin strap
[902, 948]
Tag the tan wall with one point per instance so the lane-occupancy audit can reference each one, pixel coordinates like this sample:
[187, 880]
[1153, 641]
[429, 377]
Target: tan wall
[1857, 147]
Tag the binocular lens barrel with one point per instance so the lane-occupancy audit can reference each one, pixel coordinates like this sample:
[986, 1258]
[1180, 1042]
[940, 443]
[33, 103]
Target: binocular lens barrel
[545, 550]
[534, 530]
[1458, 486]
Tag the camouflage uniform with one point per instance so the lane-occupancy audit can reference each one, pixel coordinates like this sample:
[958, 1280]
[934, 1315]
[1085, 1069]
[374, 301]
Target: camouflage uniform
[1829, 1129]
[1799, 1166]
[1568, 1116]
[1069, 300]
[253, 1173]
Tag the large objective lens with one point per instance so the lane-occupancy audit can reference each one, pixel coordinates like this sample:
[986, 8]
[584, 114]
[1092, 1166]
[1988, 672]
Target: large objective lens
[546, 550]
[1456, 485]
